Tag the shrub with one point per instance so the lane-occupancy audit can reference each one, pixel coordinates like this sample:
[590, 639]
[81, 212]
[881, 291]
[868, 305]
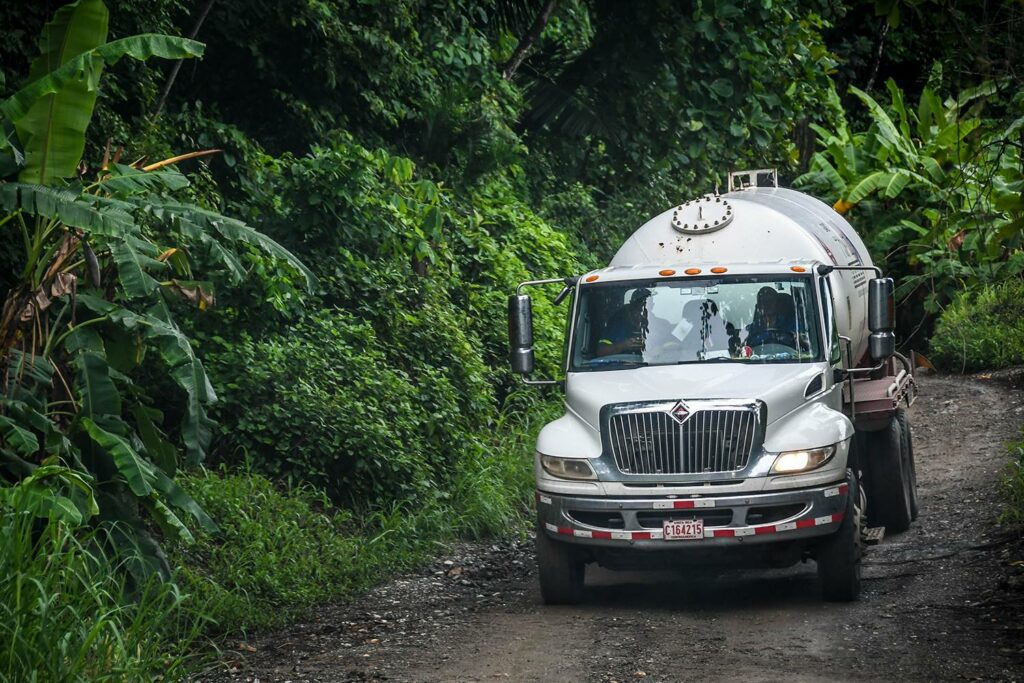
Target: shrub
[982, 329]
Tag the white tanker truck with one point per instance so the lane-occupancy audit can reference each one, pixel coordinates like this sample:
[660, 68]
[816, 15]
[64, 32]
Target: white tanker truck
[732, 395]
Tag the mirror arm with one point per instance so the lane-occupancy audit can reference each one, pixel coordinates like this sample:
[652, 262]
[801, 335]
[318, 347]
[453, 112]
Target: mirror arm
[543, 382]
[825, 270]
[529, 283]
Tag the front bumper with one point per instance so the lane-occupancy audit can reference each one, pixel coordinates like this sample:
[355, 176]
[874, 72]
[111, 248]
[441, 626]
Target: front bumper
[729, 521]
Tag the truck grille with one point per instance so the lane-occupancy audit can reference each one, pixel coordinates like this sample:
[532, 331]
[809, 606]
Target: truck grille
[703, 441]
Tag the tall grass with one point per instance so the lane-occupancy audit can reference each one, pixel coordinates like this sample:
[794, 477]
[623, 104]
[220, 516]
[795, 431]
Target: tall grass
[68, 614]
[281, 550]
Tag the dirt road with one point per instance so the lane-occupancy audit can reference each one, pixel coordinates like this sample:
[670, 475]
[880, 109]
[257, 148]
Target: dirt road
[931, 609]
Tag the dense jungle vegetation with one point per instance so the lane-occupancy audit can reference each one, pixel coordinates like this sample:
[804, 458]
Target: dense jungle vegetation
[256, 256]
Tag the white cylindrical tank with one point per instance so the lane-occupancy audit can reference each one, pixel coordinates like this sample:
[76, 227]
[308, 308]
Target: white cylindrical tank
[770, 226]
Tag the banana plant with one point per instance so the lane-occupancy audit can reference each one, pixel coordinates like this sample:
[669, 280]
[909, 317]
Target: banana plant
[935, 188]
[110, 258]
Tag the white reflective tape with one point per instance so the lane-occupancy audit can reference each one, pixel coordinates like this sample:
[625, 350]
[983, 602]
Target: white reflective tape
[787, 526]
[709, 533]
[703, 503]
[622, 536]
[746, 531]
[546, 500]
[657, 534]
[582, 534]
[818, 521]
[550, 527]
[663, 504]
[831, 492]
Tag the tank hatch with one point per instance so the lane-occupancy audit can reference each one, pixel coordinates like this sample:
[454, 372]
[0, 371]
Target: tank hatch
[701, 216]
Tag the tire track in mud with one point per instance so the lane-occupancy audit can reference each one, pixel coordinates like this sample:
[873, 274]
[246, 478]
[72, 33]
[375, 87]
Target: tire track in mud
[929, 610]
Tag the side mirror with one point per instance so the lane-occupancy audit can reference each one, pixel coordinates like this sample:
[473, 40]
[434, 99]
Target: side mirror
[520, 333]
[881, 318]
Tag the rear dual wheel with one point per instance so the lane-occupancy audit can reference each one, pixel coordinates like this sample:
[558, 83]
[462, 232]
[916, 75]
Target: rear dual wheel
[892, 491]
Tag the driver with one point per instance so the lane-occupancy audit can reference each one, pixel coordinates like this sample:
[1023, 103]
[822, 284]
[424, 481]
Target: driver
[773, 322]
[625, 331]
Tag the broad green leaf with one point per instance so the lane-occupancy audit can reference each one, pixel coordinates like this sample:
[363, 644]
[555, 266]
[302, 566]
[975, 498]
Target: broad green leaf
[87, 64]
[127, 180]
[158, 448]
[887, 130]
[132, 266]
[868, 185]
[177, 497]
[185, 368]
[68, 207]
[895, 185]
[96, 390]
[52, 131]
[168, 521]
[17, 437]
[135, 470]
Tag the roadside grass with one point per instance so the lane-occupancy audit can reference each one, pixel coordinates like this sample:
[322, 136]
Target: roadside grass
[283, 549]
[67, 615]
[1013, 489]
[982, 330]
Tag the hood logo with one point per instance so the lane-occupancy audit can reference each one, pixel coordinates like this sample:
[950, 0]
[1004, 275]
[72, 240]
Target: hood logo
[680, 412]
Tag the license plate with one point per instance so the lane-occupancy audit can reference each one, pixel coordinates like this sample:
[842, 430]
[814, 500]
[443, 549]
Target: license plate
[683, 529]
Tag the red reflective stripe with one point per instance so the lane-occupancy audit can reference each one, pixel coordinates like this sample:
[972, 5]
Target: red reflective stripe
[683, 504]
[641, 535]
[804, 523]
[844, 488]
[607, 535]
[565, 530]
[722, 533]
[838, 517]
[758, 530]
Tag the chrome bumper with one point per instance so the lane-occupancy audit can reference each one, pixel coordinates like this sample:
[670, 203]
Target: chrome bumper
[728, 520]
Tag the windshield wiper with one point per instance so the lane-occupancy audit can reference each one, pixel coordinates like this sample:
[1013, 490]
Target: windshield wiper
[711, 360]
[618, 364]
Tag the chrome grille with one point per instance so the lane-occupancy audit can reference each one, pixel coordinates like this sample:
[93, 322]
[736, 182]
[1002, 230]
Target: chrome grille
[707, 440]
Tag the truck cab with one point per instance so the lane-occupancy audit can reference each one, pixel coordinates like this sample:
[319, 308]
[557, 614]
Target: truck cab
[732, 396]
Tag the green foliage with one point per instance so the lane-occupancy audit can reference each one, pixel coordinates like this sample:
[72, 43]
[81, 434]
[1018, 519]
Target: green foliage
[105, 265]
[982, 329]
[1013, 488]
[935, 190]
[68, 613]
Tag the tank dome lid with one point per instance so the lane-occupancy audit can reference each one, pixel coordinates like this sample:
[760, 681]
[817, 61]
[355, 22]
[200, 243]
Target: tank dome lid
[703, 215]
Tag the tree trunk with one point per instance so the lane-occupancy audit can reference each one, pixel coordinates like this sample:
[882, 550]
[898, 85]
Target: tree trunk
[528, 40]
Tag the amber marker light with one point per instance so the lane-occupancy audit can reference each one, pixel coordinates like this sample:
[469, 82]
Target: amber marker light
[592, 278]
[666, 272]
[718, 270]
[692, 271]
[798, 269]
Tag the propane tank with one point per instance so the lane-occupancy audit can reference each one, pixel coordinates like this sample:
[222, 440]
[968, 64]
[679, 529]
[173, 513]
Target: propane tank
[775, 227]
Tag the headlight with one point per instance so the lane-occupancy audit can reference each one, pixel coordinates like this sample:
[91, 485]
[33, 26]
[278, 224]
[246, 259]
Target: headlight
[567, 468]
[789, 462]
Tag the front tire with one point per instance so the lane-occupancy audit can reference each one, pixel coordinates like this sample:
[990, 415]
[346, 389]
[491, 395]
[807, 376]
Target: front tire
[560, 571]
[839, 556]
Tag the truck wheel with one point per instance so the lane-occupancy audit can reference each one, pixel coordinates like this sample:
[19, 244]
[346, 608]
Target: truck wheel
[908, 451]
[839, 555]
[560, 570]
[889, 492]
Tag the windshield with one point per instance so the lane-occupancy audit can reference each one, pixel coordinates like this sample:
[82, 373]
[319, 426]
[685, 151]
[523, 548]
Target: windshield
[753, 319]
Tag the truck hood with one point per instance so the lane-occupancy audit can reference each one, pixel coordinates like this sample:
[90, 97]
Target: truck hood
[780, 386]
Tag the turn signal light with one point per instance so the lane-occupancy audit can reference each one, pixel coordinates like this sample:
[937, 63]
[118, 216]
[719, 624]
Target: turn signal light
[798, 269]
[592, 278]
[692, 271]
[718, 270]
[666, 272]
